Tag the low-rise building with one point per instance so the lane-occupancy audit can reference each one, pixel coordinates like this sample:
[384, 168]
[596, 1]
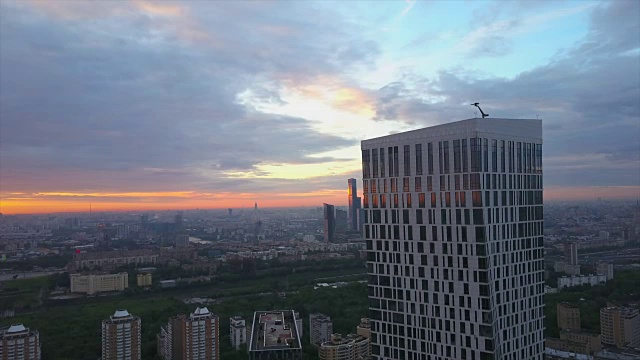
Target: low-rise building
[364, 329]
[110, 259]
[274, 336]
[569, 281]
[19, 343]
[350, 347]
[95, 283]
[144, 280]
[592, 341]
[568, 317]
[620, 326]
[606, 269]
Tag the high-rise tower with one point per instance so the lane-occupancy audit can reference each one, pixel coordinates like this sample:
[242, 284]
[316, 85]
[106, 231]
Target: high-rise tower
[121, 337]
[19, 343]
[329, 222]
[191, 338]
[453, 224]
[353, 204]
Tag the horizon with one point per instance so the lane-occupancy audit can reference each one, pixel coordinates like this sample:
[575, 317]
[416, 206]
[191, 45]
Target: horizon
[133, 105]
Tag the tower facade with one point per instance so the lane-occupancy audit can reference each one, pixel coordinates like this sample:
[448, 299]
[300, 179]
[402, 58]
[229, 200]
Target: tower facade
[19, 343]
[453, 225]
[121, 336]
[191, 338]
[237, 331]
[320, 328]
[353, 204]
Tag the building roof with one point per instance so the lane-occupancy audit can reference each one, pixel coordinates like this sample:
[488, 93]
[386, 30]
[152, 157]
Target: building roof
[201, 311]
[566, 354]
[121, 313]
[522, 128]
[274, 330]
[16, 328]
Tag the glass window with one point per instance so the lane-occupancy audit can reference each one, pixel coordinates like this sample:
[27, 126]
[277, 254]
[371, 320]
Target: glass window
[502, 156]
[445, 144]
[418, 159]
[365, 164]
[382, 163]
[430, 158]
[494, 155]
[407, 160]
[374, 158]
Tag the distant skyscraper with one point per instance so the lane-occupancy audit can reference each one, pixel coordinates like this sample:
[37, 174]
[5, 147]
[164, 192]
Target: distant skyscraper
[144, 221]
[191, 338]
[571, 253]
[353, 204]
[341, 220]
[179, 220]
[19, 343]
[329, 222]
[453, 225]
[121, 337]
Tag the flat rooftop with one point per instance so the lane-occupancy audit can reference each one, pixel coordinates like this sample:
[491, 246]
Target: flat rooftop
[274, 330]
[524, 129]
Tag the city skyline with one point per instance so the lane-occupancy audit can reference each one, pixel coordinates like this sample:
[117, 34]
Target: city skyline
[181, 105]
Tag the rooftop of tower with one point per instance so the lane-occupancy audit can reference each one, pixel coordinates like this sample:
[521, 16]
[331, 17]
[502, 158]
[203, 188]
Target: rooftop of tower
[526, 129]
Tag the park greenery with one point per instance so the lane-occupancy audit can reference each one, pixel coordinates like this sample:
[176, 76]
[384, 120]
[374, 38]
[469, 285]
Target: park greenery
[621, 290]
[70, 329]
[73, 332]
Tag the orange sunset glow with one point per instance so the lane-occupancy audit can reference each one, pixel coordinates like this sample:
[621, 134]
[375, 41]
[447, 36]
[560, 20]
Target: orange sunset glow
[182, 200]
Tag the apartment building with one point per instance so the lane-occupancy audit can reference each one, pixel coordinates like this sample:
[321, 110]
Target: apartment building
[620, 326]
[568, 317]
[320, 328]
[19, 343]
[237, 331]
[350, 347]
[193, 337]
[121, 336]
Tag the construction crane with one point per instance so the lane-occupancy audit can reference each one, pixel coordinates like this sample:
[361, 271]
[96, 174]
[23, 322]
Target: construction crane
[481, 112]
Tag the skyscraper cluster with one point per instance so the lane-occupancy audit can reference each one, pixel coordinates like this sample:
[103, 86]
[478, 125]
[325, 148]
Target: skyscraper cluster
[453, 224]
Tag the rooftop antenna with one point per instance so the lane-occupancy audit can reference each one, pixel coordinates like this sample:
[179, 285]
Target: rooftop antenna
[481, 112]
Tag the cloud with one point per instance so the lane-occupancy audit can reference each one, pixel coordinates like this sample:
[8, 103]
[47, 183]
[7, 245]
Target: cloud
[587, 97]
[125, 102]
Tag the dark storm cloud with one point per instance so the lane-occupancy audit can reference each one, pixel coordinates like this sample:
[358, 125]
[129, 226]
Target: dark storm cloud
[588, 97]
[130, 99]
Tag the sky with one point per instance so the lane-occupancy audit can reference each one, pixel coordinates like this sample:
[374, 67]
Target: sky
[190, 104]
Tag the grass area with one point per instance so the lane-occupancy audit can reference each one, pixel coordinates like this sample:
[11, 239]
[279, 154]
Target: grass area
[22, 294]
[72, 329]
